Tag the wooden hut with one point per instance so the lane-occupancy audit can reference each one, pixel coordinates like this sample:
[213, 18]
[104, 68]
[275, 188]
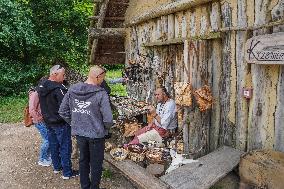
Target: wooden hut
[236, 47]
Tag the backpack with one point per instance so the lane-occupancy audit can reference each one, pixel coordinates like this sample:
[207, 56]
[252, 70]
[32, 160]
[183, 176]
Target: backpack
[27, 117]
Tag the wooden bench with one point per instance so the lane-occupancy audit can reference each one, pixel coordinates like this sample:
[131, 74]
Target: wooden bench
[137, 174]
[206, 172]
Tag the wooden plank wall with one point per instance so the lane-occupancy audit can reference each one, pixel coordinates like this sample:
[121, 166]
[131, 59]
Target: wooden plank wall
[219, 63]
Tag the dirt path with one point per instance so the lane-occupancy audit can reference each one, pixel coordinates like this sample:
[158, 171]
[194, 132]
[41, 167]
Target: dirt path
[19, 147]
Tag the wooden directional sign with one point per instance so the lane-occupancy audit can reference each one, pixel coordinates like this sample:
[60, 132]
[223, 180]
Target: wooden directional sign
[265, 49]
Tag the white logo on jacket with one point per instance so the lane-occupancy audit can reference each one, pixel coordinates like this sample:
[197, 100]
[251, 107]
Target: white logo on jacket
[82, 105]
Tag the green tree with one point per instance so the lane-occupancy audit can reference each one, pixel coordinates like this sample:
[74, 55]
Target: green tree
[17, 41]
[61, 26]
[34, 34]
[17, 36]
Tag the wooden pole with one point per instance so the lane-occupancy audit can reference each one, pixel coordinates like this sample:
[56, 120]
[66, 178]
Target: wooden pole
[171, 26]
[261, 126]
[279, 114]
[106, 32]
[187, 78]
[242, 70]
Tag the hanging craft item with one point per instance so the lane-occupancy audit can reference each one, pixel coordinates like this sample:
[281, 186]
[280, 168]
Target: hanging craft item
[118, 154]
[130, 129]
[129, 107]
[204, 98]
[183, 93]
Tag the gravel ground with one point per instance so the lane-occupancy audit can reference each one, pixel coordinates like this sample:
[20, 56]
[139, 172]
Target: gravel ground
[19, 148]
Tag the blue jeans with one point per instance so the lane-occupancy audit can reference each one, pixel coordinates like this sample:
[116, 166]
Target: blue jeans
[44, 154]
[91, 160]
[61, 147]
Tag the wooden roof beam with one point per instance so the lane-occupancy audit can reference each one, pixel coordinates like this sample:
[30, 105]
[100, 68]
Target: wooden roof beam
[107, 18]
[119, 3]
[106, 32]
[165, 10]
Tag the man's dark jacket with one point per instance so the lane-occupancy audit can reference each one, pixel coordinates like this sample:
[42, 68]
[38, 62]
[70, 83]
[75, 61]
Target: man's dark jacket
[51, 94]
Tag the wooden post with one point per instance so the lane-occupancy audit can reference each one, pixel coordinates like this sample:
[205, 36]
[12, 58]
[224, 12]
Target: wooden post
[192, 25]
[216, 58]
[242, 71]
[263, 103]
[164, 25]
[184, 27]
[178, 22]
[215, 16]
[185, 123]
[158, 29]
[277, 13]
[226, 127]
[171, 26]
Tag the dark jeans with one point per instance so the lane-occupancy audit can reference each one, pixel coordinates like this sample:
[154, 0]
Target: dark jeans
[91, 155]
[60, 147]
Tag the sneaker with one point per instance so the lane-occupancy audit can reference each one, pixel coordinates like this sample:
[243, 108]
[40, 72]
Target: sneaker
[56, 171]
[74, 174]
[44, 163]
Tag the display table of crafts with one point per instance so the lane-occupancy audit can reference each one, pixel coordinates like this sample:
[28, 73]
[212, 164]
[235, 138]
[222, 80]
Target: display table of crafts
[128, 107]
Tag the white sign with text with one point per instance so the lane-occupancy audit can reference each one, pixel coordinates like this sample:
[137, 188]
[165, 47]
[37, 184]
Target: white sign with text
[265, 49]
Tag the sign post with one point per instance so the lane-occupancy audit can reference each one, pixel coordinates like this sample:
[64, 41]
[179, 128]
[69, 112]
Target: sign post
[265, 49]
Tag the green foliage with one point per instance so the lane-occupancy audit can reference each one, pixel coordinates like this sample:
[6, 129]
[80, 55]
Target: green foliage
[61, 27]
[11, 108]
[35, 34]
[107, 174]
[17, 77]
[116, 89]
[114, 67]
[17, 36]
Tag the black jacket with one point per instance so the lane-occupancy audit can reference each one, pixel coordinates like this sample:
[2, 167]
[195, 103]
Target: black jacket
[51, 94]
[105, 86]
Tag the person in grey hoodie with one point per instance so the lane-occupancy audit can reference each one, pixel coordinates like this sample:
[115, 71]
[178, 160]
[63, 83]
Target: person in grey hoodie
[87, 108]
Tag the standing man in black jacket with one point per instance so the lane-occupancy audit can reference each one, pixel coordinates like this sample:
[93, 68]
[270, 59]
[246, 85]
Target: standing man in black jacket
[51, 93]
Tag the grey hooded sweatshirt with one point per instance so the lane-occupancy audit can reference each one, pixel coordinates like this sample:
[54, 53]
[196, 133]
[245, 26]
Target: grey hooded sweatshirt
[87, 109]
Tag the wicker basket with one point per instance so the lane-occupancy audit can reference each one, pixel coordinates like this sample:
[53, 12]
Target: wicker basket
[119, 154]
[155, 156]
[136, 157]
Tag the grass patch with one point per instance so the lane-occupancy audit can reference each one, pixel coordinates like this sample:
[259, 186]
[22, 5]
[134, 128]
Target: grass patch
[12, 108]
[107, 174]
[116, 89]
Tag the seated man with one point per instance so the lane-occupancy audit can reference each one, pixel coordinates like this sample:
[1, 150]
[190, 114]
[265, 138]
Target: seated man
[164, 119]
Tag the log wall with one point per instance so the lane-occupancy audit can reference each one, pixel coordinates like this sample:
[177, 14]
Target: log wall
[204, 44]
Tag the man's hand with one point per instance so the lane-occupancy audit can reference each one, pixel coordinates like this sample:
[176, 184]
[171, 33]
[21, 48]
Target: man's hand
[152, 110]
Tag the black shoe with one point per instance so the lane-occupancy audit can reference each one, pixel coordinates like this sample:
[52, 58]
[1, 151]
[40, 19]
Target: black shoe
[74, 174]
